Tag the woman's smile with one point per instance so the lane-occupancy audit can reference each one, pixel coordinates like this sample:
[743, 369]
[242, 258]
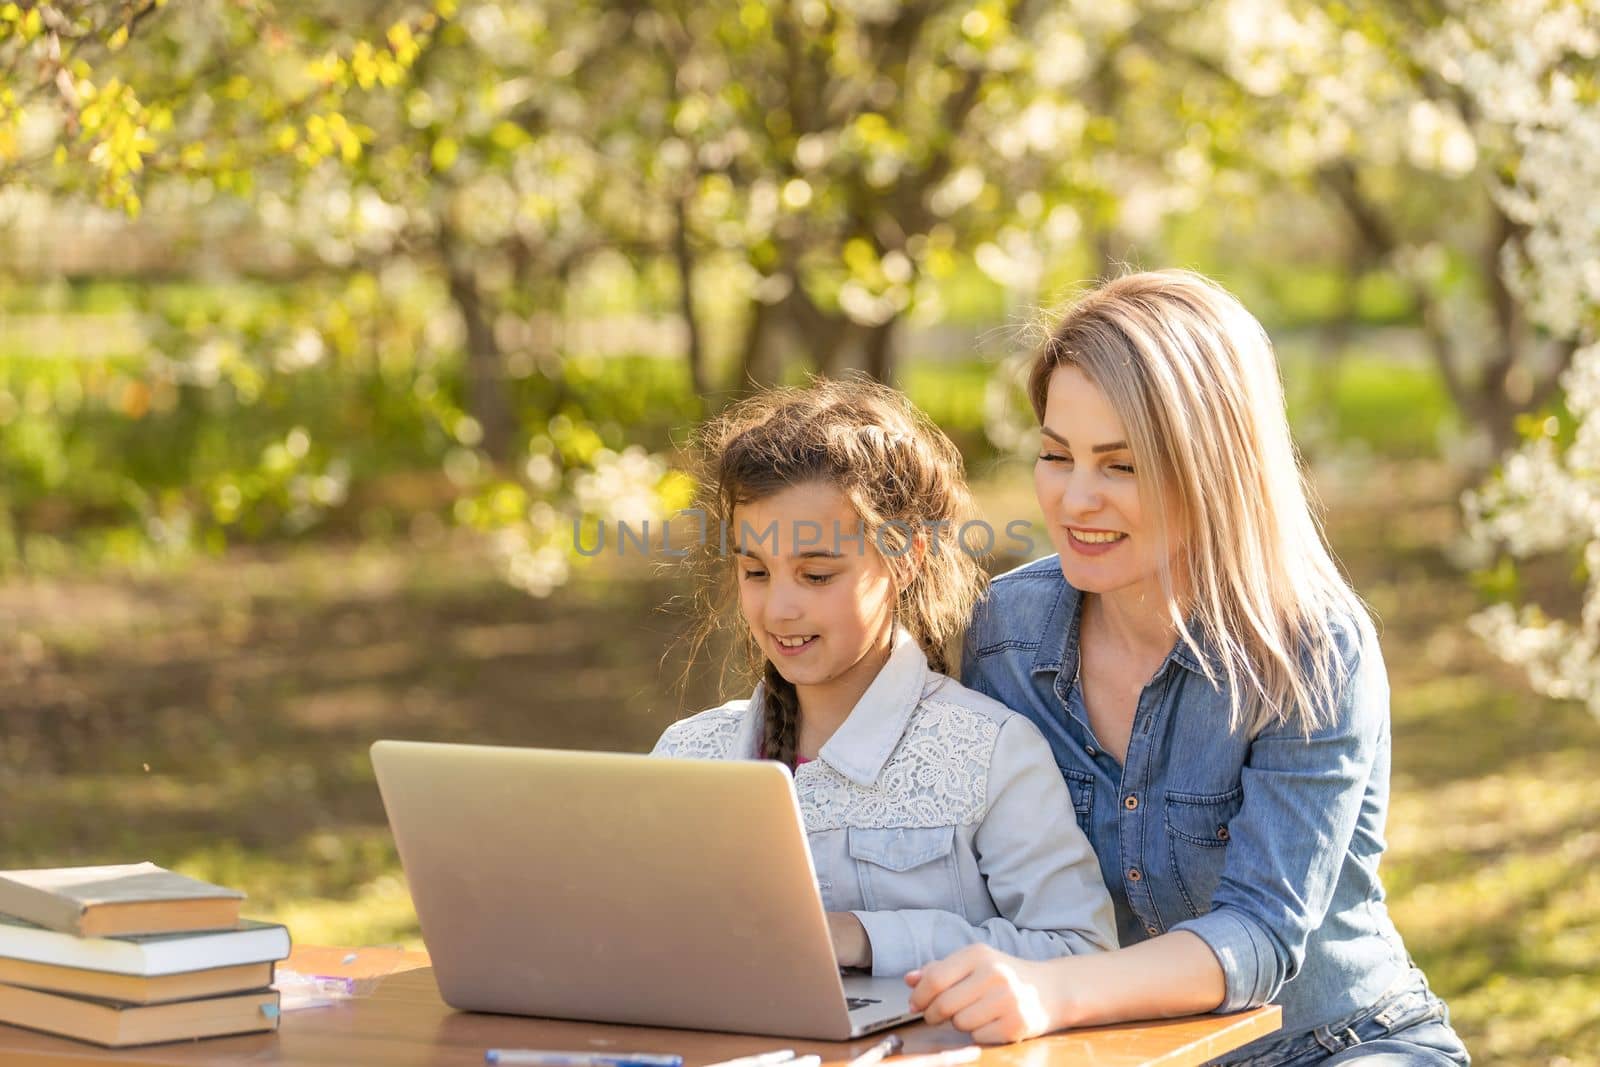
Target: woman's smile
[1086, 471]
[1093, 542]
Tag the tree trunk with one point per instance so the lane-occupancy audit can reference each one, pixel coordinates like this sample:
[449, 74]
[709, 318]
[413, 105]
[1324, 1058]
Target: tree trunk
[753, 369]
[1490, 401]
[878, 351]
[1508, 383]
[833, 345]
[683, 258]
[827, 339]
[485, 371]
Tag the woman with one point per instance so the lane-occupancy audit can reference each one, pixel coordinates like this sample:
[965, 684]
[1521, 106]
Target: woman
[1214, 695]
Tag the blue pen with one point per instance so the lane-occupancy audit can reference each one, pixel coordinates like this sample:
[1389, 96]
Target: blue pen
[532, 1057]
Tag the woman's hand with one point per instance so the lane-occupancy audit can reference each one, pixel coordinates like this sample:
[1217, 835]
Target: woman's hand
[996, 997]
[992, 996]
[850, 945]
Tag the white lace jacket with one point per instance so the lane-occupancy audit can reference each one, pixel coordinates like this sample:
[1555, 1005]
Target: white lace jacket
[937, 816]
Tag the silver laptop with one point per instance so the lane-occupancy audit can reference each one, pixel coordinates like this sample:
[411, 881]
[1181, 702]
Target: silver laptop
[622, 889]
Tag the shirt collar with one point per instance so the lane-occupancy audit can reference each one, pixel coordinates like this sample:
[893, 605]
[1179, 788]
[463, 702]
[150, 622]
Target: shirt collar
[1062, 619]
[862, 744]
[1061, 657]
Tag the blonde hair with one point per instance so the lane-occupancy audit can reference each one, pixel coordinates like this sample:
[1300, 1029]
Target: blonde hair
[897, 470]
[1192, 376]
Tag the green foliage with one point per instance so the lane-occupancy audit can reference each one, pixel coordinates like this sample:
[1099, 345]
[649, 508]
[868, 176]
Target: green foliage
[210, 90]
[1394, 408]
[261, 412]
[952, 395]
[641, 400]
[781, 180]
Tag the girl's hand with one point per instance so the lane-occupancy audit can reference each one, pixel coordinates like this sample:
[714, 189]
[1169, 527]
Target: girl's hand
[850, 944]
[992, 996]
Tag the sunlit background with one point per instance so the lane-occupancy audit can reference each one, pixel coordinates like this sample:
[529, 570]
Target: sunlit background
[322, 323]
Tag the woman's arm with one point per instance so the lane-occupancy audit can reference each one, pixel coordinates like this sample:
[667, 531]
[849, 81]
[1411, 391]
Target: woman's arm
[1288, 844]
[1303, 796]
[998, 999]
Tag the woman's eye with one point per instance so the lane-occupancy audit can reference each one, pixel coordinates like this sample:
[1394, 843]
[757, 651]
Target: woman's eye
[752, 575]
[1054, 457]
[818, 579]
[1122, 468]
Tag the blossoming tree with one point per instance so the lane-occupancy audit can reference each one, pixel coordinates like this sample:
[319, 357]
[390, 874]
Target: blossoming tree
[1532, 68]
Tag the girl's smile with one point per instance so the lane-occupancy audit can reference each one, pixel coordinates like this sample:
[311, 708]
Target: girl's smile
[794, 646]
[822, 613]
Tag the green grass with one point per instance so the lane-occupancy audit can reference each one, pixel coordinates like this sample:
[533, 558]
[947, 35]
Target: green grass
[1392, 408]
[1494, 862]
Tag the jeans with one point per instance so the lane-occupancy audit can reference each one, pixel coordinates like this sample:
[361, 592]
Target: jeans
[1408, 1027]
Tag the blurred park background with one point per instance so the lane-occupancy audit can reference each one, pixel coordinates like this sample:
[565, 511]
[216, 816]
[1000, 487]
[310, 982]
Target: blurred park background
[323, 321]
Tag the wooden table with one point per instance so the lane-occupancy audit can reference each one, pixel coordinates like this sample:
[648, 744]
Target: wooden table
[403, 1023]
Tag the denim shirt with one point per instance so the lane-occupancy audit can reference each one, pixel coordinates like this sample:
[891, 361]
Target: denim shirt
[1267, 848]
[936, 817]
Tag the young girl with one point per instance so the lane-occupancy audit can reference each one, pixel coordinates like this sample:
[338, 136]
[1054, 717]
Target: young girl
[936, 817]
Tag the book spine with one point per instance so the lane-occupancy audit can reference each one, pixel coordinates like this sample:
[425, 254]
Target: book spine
[43, 909]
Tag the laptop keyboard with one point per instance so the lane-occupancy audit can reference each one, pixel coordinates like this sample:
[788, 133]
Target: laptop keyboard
[852, 1003]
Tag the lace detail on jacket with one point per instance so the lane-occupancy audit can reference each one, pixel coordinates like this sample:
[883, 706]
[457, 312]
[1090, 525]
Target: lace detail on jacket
[938, 775]
[708, 735]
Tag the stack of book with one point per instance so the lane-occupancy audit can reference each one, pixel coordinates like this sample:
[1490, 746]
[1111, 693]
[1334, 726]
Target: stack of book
[133, 955]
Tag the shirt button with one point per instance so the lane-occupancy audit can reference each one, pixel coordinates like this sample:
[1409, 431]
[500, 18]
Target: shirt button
[1091, 750]
[1222, 833]
[1151, 930]
[1131, 802]
[1133, 874]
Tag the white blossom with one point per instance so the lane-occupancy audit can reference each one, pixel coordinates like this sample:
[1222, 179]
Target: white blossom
[621, 487]
[1518, 62]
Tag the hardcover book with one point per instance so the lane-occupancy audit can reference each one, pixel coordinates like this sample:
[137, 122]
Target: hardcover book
[132, 988]
[109, 1023]
[146, 955]
[130, 898]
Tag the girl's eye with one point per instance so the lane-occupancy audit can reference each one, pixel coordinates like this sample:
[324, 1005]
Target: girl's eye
[818, 579]
[1054, 457]
[1122, 468]
[752, 575]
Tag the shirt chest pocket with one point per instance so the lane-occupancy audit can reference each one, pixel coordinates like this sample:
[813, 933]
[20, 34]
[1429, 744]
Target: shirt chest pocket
[1081, 786]
[1197, 839]
[907, 867]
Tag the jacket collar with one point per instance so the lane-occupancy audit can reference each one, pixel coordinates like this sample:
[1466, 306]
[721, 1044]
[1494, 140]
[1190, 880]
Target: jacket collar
[863, 743]
[1054, 652]
[1060, 655]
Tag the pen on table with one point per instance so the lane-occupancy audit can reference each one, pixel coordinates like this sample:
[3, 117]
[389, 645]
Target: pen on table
[534, 1057]
[964, 1054]
[887, 1047]
[777, 1056]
